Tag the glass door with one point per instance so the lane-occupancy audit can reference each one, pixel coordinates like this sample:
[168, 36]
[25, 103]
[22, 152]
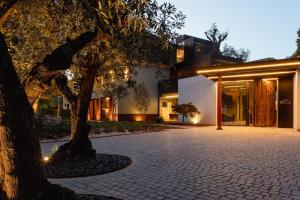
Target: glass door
[235, 100]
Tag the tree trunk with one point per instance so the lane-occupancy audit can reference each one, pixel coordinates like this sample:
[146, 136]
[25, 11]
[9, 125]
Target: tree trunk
[20, 153]
[79, 147]
[21, 176]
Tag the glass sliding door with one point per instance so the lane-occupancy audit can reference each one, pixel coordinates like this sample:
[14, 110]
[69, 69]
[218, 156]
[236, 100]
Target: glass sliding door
[235, 103]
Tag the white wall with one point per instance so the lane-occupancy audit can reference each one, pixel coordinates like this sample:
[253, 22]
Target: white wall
[148, 76]
[201, 92]
[297, 99]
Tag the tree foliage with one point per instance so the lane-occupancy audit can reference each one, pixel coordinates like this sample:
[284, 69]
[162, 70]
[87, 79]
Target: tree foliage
[186, 110]
[242, 54]
[297, 52]
[37, 28]
[216, 37]
[141, 98]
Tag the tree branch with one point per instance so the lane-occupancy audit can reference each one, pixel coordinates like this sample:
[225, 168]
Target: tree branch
[42, 74]
[61, 82]
[61, 58]
[5, 7]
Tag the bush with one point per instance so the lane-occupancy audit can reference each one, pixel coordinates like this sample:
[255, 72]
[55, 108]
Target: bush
[51, 131]
[159, 120]
[65, 114]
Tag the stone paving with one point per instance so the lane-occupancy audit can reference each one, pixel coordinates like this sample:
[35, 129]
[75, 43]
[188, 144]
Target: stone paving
[199, 163]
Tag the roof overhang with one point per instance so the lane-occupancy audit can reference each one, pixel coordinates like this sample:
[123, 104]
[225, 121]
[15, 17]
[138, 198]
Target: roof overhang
[252, 69]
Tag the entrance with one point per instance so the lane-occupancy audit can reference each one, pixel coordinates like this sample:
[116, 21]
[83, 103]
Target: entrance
[250, 103]
[166, 103]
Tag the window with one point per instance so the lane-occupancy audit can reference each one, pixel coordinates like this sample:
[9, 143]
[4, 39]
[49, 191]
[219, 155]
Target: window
[180, 55]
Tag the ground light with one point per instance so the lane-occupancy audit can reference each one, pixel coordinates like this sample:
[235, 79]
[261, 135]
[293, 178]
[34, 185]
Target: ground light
[46, 158]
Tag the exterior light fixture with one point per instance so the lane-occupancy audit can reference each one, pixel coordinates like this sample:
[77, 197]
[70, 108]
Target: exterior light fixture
[170, 96]
[251, 75]
[244, 68]
[196, 119]
[46, 159]
[238, 81]
[270, 79]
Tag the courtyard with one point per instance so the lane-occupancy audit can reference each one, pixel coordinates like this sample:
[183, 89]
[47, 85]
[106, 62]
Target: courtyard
[199, 163]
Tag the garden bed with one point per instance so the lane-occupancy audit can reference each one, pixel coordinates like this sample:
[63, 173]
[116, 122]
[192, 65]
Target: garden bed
[104, 163]
[98, 129]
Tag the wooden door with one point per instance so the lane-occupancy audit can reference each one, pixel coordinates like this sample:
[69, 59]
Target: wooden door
[265, 98]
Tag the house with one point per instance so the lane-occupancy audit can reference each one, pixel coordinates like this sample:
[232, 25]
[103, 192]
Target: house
[193, 53]
[225, 90]
[261, 93]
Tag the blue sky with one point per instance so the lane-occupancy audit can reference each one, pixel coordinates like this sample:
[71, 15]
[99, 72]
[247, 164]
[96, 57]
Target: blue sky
[268, 28]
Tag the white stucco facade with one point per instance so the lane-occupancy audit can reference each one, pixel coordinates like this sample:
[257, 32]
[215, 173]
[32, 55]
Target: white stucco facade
[148, 76]
[201, 92]
[296, 123]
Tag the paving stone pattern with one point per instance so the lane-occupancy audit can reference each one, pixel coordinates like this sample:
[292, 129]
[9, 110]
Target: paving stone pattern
[199, 163]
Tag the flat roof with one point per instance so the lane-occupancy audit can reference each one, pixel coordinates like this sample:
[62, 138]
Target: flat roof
[259, 68]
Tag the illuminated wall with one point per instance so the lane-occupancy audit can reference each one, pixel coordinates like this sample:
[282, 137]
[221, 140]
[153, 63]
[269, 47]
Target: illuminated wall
[148, 76]
[296, 100]
[201, 92]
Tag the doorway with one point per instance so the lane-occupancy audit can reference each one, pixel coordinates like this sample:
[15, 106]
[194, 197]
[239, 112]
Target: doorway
[235, 103]
[250, 103]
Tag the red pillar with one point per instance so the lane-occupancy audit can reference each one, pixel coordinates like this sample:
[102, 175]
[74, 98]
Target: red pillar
[219, 106]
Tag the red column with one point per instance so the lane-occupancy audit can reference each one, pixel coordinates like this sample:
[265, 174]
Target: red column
[219, 106]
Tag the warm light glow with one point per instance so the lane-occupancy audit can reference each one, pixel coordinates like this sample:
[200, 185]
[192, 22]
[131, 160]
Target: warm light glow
[171, 96]
[238, 81]
[46, 159]
[243, 68]
[235, 86]
[126, 76]
[250, 75]
[138, 118]
[270, 79]
[196, 119]
[180, 55]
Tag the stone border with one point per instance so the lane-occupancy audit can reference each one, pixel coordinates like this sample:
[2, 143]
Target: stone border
[103, 164]
[112, 134]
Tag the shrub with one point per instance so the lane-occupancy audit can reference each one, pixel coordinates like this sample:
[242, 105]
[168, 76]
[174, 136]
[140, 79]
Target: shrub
[159, 120]
[186, 110]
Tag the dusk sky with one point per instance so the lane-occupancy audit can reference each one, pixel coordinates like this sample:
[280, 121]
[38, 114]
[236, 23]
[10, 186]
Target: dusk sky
[268, 28]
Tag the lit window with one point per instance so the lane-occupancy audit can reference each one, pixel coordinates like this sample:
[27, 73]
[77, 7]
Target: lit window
[180, 55]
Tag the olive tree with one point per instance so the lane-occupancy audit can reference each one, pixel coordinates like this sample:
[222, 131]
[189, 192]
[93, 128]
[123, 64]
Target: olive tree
[47, 38]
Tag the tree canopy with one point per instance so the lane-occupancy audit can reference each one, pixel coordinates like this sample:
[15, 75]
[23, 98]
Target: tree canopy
[297, 52]
[242, 54]
[217, 38]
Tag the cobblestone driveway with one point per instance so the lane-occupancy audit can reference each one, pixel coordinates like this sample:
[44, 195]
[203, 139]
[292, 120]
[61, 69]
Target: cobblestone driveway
[200, 163]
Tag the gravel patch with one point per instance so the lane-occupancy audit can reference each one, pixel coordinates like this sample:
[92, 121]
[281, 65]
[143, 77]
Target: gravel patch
[104, 163]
